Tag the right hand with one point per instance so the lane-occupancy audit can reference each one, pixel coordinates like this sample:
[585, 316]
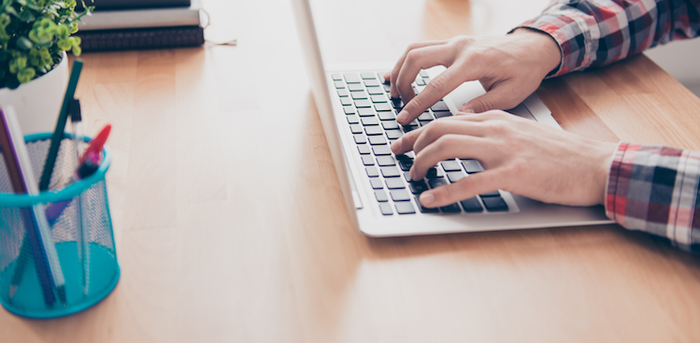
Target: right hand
[510, 68]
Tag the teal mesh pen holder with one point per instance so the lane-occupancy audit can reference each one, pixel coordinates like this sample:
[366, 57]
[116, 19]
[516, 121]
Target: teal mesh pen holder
[81, 229]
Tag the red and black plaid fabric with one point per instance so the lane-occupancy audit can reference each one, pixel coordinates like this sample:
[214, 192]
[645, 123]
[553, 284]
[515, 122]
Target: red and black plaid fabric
[594, 33]
[656, 189]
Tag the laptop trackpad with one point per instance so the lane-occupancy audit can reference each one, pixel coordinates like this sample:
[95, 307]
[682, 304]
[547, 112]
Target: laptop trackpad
[470, 90]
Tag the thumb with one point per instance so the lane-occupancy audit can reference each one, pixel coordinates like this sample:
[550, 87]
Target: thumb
[501, 97]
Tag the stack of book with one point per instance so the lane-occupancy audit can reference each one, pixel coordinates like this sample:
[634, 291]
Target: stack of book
[140, 24]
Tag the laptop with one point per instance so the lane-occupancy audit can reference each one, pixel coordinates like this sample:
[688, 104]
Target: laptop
[358, 120]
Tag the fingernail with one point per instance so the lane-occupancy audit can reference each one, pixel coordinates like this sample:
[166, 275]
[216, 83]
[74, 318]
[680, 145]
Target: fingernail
[468, 110]
[402, 116]
[427, 198]
[397, 143]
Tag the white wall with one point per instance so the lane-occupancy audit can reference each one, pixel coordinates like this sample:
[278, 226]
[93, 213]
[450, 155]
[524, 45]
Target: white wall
[681, 59]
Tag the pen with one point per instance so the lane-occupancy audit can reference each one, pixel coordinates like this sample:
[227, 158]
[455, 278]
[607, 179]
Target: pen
[60, 126]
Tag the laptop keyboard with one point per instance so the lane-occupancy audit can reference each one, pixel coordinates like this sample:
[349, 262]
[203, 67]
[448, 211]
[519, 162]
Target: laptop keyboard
[371, 118]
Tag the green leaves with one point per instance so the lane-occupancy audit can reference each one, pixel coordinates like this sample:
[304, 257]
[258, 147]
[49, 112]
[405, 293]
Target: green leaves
[33, 35]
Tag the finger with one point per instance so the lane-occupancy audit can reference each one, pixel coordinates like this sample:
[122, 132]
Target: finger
[439, 128]
[465, 188]
[417, 59]
[405, 143]
[397, 67]
[450, 146]
[501, 96]
[434, 91]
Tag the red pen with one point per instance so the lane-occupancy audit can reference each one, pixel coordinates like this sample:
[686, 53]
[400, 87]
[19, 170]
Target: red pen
[97, 143]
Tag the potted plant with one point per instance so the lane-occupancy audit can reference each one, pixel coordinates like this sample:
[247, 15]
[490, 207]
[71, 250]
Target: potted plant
[34, 38]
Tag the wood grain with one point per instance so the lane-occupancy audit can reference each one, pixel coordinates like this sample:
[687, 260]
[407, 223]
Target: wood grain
[229, 220]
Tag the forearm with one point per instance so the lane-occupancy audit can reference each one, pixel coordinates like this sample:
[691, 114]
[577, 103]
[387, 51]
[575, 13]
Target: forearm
[656, 189]
[593, 33]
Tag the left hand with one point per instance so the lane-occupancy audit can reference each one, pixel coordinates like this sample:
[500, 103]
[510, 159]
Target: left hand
[519, 156]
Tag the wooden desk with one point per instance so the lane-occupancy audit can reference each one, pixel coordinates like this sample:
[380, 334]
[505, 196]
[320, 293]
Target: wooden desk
[228, 216]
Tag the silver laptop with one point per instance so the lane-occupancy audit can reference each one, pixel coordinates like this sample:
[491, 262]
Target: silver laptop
[358, 119]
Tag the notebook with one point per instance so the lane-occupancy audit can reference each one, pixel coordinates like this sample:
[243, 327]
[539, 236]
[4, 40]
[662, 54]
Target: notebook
[358, 120]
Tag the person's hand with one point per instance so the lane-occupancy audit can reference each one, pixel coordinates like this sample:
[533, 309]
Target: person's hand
[510, 68]
[519, 155]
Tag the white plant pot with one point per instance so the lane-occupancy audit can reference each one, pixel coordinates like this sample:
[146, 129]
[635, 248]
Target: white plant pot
[38, 102]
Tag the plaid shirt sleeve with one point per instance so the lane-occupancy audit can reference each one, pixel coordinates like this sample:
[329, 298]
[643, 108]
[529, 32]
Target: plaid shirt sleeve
[656, 189]
[593, 33]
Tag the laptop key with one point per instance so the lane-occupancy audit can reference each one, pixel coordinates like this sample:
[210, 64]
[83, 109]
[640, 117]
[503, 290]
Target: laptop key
[399, 195]
[424, 209]
[471, 205]
[352, 119]
[386, 115]
[434, 183]
[339, 84]
[420, 82]
[409, 128]
[452, 208]
[394, 183]
[362, 103]
[440, 106]
[358, 95]
[363, 149]
[405, 164]
[376, 183]
[424, 73]
[345, 101]
[337, 77]
[373, 130]
[381, 196]
[387, 87]
[359, 139]
[417, 187]
[381, 150]
[371, 83]
[365, 112]
[367, 160]
[389, 125]
[352, 78]
[434, 173]
[385, 208]
[385, 161]
[372, 171]
[451, 166]
[390, 171]
[375, 91]
[472, 166]
[425, 116]
[377, 140]
[343, 92]
[455, 176]
[491, 194]
[393, 134]
[404, 207]
[495, 204]
[349, 110]
[368, 121]
[378, 98]
[382, 107]
[355, 87]
[442, 114]
[367, 76]
[356, 128]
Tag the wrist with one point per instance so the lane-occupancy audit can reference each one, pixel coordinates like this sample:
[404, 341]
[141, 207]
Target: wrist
[543, 46]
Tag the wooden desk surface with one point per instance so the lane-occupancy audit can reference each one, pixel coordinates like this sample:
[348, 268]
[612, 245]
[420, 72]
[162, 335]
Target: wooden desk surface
[230, 227]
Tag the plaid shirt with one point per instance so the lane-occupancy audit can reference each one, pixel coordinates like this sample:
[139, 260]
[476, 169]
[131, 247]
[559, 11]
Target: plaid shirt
[650, 188]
